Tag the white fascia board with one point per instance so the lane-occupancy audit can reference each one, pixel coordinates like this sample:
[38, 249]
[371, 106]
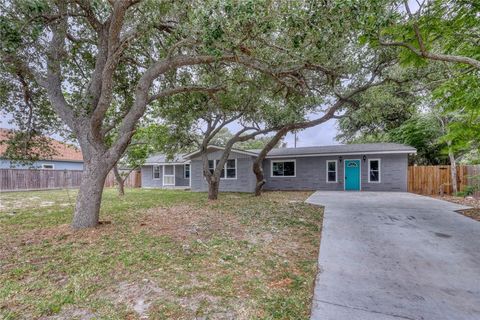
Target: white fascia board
[338, 154]
[165, 163]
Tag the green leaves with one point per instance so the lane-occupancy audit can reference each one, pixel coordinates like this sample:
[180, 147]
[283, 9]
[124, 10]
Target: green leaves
[10, 35]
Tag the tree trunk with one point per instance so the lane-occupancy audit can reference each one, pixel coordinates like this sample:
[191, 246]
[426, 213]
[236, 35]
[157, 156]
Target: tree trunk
[257, 164]
[120, 181]
[213, 186]
[87, 207]
[453, 170]
[258, 171]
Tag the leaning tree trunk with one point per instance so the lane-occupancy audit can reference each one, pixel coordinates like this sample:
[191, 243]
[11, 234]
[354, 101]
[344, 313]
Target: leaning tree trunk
[257, 164]
[213, 186]
[120, 181]
[453, 170]
[87, 207]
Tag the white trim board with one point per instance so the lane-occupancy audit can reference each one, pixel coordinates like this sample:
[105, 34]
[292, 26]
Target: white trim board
[165, 163]
[337, 154]
[283, 160]
[326, 171]
[379, 170]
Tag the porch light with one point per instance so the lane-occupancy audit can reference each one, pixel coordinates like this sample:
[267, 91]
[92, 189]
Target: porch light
[340, 158]
[364, 158]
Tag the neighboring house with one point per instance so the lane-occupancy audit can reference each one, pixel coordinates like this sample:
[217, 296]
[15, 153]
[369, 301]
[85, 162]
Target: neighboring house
[369, 167]
[67, 157]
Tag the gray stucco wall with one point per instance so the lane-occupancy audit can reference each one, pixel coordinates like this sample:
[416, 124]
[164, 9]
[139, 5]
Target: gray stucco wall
[245, 181]
[59, 165]
[311, 174]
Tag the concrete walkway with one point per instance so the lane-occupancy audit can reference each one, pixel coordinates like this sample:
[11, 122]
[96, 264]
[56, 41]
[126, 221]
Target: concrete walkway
[396, 256]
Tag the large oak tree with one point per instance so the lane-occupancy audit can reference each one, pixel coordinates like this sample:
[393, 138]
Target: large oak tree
[100, 64]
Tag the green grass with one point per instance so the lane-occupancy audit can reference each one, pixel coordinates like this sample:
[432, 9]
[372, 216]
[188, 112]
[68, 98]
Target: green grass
[174, 251]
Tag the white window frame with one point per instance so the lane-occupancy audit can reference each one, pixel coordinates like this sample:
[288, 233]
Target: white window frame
[379, 170]
[169, 175]
[48, 164]
[153, 173]
[336, 171]
[185, 171]
[224, 177]
[286, 160]
[225, 170]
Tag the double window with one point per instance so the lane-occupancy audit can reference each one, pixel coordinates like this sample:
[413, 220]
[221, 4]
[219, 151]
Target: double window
[373, 170]
[186, 171]
[229, 170]
[285, 168]
[331, 170]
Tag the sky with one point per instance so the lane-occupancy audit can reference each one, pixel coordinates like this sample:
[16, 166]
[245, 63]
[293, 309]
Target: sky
[320, 135]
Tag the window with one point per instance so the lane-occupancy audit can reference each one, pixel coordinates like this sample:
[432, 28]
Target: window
[229, 170]
[373, 170]
[48, 166]
[283, 168]
[331, 170]
[222, 173]
[186, 171]
[156, 172]
[211, 166]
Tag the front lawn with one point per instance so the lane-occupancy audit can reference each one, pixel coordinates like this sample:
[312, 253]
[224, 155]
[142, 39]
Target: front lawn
[162, 254]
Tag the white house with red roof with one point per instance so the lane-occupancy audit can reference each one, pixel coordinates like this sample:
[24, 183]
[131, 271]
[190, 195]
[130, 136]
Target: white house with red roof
[67, 157]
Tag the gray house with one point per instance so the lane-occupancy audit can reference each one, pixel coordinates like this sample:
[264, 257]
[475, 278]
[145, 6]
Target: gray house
[354, 167]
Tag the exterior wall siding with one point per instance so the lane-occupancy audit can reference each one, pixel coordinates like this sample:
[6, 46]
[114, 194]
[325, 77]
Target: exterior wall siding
[149, 182]
[245, 181]
[147, 178]
[393, 170]
[59, 165]
[311, 174]
[180, 180]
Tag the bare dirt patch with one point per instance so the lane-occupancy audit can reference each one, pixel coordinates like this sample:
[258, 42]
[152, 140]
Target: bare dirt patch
[72, 313]
[186, 222]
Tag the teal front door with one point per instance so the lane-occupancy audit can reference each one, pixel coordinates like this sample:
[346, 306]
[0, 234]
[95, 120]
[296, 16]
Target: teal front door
[352, 174]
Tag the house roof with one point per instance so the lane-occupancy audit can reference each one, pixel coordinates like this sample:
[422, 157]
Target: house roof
[212, 147]
[64, 152]
[364, 148]
[159, 158]
[342, 149]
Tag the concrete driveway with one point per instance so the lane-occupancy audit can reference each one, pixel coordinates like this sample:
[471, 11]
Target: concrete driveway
[396, 256]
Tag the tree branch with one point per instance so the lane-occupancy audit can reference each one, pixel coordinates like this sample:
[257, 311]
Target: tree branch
[169, 92]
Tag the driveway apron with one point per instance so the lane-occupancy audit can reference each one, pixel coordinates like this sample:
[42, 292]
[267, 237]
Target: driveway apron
[396, 256]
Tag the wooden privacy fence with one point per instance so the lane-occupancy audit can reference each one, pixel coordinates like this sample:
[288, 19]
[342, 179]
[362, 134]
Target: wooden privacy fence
[132, 181]
[435, 180]
[42, 179]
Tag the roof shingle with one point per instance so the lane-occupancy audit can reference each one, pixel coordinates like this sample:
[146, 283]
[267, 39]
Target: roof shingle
[64, 152]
